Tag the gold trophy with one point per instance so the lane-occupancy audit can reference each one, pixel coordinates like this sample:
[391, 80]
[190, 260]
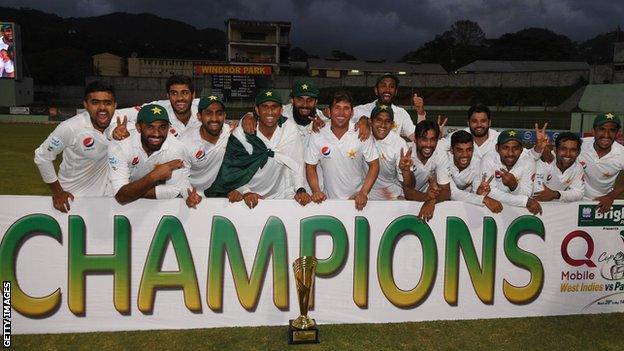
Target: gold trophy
[303, 329]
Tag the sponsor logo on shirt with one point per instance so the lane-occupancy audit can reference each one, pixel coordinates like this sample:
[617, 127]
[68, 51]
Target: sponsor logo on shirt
[200, 154]
[325, 150]
[88, 142]
[113, 162]
[583, 164]
[174, 132]
[135, 160]
[55, 143]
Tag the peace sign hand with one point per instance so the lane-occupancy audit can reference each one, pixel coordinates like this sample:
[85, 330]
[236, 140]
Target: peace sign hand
[484, 187]
[541, 138]
[121, 130]
[508, 178]
[406, 161]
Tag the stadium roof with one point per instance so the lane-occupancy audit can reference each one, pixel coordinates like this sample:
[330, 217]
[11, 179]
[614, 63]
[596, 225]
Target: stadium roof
[603, 98]
[522, 66]
[376, 66]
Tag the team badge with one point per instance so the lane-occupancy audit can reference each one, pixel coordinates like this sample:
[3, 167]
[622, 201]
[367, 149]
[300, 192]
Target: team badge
[88, 142]
[583, 164]
[200, 154]
[325, 150]
[135, 160]
[351, 153]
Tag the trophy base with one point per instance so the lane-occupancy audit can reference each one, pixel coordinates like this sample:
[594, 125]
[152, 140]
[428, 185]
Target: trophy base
[302, 336]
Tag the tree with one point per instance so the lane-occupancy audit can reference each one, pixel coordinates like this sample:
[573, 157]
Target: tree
[467, 33]
[298, 54]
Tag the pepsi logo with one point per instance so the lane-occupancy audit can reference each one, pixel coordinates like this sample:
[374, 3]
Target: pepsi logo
[200, 154]
[583, 164]
[135, 160]
[88, 141]
[173, 131]
[325, 150]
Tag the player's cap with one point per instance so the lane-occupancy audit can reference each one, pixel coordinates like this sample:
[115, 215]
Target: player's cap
[268, 95]
[6, 26]
[304, 88]
[508, 135]
[388, 75]
[152, 112]
[606, 118]
[207, 100]
[382, 108]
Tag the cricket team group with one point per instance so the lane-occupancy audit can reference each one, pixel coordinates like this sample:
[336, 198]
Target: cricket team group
[185, 147]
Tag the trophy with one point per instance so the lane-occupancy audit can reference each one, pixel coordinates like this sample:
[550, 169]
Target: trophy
[303, 329]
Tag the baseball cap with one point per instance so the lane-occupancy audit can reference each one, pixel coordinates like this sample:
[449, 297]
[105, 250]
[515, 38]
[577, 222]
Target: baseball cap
[606, 118]
[152, 112]
[382, 108]
[304, 88]
[268, 95]
[207, 100]
[6, 26]
[508, 135]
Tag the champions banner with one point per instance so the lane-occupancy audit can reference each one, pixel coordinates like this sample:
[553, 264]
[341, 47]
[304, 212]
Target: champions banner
[159, 265]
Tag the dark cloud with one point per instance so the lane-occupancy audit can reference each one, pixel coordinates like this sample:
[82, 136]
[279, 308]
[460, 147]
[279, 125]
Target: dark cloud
[366, 29]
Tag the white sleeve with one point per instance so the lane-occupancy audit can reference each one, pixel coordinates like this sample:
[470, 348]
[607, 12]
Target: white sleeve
[465, 196]
[442, 168]
[358, 112]
[369, 150]
[56, 142]
[8, 67]
[525, 183]
[118, 165]
[398, 159]
[312, 154]
[407, 126]
[575, 191]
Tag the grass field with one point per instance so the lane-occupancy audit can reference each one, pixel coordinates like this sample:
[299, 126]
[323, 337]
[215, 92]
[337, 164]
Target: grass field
[597, 332]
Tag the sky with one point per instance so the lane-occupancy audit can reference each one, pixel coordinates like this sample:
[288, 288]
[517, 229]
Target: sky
[366, 29]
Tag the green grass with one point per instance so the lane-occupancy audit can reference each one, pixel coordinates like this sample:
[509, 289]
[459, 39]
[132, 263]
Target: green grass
[579, 332]
[20, 176]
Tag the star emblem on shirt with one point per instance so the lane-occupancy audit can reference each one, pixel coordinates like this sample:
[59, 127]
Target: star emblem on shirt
[606, 174]
[156, 110]
[395, 125]
[269, 93]
[351, 153]
[212, 97]
[512, 133]
[304, 87]
[609, 115]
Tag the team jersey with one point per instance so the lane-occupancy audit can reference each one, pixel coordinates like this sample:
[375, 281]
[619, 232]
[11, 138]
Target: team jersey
[600, 172]
[84, 170]
[462, 182]
[177, 128]
[569, 183]
[283, 173]
[436, 166]
[403, 124]
[204, 157]
[388, 184]
[523, 170]
[128, 162]
[479, 150]
[344, 161]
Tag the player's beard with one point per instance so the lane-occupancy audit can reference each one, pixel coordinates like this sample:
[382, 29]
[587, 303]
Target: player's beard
[302, 121]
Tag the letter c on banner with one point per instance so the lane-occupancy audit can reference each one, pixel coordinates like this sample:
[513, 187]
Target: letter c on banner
[590, 249]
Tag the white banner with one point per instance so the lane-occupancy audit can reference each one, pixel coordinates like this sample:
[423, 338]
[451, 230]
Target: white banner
[159, 265]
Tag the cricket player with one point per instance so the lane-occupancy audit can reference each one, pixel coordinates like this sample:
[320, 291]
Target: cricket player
[431, 170]
[265, 165]
[464, 172]
[602, 160]
[395, 157]
[511, 171]
[149, 164]
[342, 156]
[81, 140]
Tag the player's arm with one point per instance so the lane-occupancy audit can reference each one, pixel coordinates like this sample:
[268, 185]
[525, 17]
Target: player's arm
[146, 187]
[576, 190]
[371, 176]
[45, 154]
[605, 201]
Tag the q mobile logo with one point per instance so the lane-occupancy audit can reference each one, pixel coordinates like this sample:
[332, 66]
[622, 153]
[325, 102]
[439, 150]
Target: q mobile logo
[88, 142]
[200, 154]
[325, 150]
[135, 160]
[588, 216]
[577, 259]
